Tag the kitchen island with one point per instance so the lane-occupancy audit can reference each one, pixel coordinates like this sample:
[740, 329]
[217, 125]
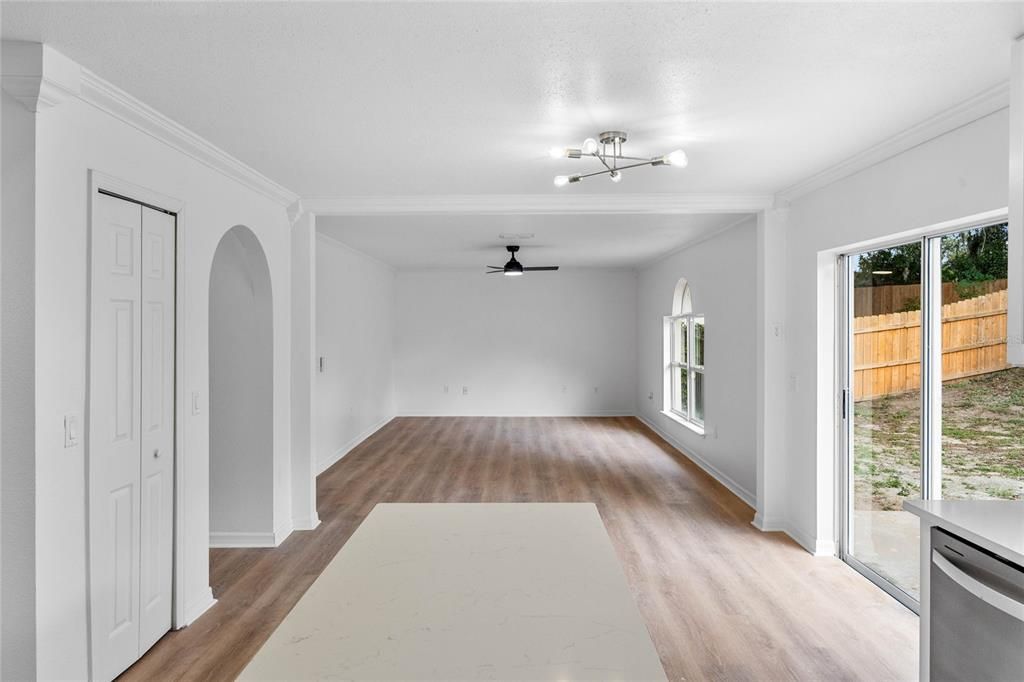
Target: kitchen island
[990, 529]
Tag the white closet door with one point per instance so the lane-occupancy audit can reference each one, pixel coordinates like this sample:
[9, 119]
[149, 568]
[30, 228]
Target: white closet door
[157, 425]
[131, 431]
[115, 440]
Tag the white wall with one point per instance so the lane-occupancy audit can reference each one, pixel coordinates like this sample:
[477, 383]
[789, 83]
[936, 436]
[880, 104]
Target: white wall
[241, 394]
[71, 139]
[533, 345]
[961, 173]
[17, 394]
[722, 276]
[355, 313]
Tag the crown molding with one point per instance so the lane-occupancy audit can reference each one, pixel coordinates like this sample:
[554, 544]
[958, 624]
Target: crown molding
[690, 243]
[38, 76]
[116, 102]
[984, 103]
[536, 204]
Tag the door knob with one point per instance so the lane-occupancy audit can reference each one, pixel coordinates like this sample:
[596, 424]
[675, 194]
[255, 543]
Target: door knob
[156, 453]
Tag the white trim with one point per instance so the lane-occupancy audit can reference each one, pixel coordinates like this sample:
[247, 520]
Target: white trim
[812, 545]
[699, 239]
[196, 608]
[282, 532]
[332, 459]
[362, 254]
[678, 419]
[38, 76]
[980, 105]
[588, 413]
[122, 106]
[307, 523]
[1015, 318]
[537, 204]
[243, 539]
[98, 180]
[734, 487]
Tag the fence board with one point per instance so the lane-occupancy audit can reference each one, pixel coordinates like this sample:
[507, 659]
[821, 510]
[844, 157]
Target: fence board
[894, 298]
[887, 348]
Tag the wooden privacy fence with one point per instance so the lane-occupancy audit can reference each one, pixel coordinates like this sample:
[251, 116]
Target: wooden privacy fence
[887, 348]
[895, 298]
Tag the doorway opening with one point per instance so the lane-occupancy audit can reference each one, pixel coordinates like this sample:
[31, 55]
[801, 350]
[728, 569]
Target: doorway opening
[241, 394]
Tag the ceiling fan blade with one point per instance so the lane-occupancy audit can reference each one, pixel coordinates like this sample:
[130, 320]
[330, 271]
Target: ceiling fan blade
[496, 267]
[545, 267]
[495, 272]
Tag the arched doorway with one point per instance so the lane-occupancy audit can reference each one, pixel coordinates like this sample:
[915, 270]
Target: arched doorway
[241, 394]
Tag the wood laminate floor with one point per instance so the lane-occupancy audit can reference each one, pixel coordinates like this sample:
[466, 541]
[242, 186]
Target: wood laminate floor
[721, 599]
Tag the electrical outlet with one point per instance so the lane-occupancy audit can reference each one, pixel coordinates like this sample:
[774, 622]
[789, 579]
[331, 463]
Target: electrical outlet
[650, 395]
[323, 364]
[465, 390]
[446, 388]
[564, 388]
[595, 389]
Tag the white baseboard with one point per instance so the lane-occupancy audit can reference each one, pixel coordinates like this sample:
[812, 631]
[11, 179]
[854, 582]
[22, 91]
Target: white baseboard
[308, 523]
[813, 545]
[734, 487]
[351, 445]
[593, 413]
[231, 539]
[197, 607]
[282, 532]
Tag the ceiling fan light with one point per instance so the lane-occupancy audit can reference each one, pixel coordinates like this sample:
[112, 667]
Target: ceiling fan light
[558, 152]
[574, 178]
[561, 180]
[677, 158]
[615, 176]
[589, 145]
[513, 273]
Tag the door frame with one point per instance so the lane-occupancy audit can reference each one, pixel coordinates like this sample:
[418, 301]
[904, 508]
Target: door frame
[97, 181]
[931, 399]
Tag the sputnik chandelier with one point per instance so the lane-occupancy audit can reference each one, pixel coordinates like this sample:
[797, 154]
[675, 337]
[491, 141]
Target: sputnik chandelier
[607, 149]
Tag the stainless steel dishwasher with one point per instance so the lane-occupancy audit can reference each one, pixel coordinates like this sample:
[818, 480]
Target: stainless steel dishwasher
[977, 613]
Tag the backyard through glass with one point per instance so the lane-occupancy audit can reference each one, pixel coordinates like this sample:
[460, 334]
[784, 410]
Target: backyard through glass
[982, 398]
[886, 432]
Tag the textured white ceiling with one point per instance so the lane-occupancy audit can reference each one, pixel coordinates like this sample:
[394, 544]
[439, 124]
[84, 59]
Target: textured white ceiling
[416, 242]
[356, 99]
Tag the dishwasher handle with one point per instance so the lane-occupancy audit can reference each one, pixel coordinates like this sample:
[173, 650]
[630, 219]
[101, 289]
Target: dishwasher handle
[994, 598]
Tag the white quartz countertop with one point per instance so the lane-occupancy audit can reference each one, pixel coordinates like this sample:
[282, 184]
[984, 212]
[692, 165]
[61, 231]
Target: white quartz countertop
[995, 525]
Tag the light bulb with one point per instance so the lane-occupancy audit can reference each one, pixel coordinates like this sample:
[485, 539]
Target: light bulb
[616, 176]
[557, 152]
[513, 273]
[561, 180]
[676, 158]
[589, 145]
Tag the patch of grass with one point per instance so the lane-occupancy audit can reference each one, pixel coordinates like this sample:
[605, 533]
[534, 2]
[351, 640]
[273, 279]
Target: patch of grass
[983, 438]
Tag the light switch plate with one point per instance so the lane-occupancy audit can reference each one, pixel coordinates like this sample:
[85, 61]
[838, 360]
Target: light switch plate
[71, 433]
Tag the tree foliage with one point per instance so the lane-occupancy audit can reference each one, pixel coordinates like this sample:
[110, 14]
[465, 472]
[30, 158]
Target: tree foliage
[976, 255]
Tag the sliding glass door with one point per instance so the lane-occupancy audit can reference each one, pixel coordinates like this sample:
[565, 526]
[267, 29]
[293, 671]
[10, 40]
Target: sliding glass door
[930, 407]
[884, 415]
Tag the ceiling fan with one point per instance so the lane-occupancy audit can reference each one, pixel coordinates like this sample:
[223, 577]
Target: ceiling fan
[514, 268]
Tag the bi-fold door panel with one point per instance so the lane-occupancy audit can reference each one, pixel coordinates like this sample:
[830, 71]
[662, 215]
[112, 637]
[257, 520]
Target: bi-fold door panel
[131, 441]
[157, 432]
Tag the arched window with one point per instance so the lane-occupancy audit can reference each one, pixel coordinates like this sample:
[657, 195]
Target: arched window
[684, 355]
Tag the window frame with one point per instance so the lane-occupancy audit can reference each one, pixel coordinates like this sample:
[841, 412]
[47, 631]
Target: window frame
[684, 362]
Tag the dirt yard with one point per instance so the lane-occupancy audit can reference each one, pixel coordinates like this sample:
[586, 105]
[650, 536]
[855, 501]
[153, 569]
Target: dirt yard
[982, 442]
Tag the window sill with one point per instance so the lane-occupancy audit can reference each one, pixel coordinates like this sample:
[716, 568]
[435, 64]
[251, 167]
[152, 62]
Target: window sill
[699, 430]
